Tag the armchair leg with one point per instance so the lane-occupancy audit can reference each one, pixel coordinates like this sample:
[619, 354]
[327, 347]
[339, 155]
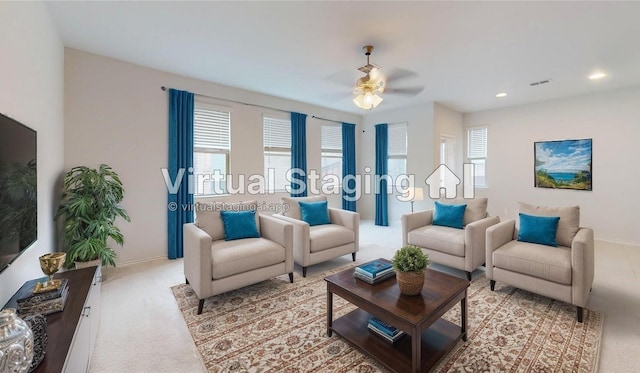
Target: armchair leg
[468, 276]
[353, 256]
[291, 277]
[580, 313]
[304, 271]
[186, 280]
[200, 305]
[492, 285]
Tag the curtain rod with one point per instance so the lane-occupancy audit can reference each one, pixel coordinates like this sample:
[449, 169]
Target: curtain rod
[248, 104]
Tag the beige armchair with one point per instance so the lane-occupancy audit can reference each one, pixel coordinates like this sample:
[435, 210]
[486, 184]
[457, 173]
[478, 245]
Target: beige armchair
[462, 249]
[213, 266]
[564, 273]
[319, 243]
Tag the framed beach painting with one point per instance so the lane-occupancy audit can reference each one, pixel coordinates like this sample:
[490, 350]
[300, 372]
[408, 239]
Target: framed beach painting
[563, 164]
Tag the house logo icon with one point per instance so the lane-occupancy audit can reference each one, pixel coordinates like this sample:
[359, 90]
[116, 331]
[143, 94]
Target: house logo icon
[442, 178]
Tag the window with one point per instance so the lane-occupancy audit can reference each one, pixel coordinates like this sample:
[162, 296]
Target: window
[397, 150]
[447, 158]
[211, 146]
[331, 139]
[477, 153]
[277, 151]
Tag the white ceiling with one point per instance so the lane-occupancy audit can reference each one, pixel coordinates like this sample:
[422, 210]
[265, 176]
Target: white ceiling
[464, 52]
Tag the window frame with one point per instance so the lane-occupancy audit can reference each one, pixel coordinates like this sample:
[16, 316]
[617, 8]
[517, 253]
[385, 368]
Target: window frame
[481, 157]
[403, 156]
[331, 152]
[201, 103]
[275, 150]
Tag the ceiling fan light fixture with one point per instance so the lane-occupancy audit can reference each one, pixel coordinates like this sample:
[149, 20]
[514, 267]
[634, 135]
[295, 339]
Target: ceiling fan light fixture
[367, 100]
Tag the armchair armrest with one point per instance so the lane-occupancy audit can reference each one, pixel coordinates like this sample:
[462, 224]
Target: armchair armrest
[280, 231]
[496, 236]
[582, 265]
[475, 241]
[349, 220]
[197, 258]
[301, 243]
[413, 221]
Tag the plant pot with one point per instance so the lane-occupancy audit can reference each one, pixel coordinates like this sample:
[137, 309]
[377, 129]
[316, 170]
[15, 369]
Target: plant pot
[410, 283]
[92, 263]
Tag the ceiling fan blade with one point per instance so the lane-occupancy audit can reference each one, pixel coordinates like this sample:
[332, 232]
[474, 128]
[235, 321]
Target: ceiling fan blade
[408, 91]
[345, 78]
[400, 74]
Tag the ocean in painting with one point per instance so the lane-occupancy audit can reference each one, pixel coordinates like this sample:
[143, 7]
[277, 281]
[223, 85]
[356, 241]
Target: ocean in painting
[563, 176]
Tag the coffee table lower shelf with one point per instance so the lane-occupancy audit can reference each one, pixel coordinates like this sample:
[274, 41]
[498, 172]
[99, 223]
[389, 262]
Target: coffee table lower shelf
[439, 339]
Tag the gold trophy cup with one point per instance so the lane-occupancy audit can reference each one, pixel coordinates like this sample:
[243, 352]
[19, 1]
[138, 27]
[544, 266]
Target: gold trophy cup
[50, 264]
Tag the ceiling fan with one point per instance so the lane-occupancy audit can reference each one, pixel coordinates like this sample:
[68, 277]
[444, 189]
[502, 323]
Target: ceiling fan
[369, 88]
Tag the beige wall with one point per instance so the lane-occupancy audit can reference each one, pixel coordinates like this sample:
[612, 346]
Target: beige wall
[115, 113]
[31, 91]
[611, 119]
[448, 122]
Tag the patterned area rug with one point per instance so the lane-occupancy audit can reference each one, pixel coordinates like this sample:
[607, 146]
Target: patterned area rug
[275, 326]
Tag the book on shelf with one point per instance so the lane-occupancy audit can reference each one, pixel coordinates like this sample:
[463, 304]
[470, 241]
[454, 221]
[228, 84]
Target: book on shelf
[45, 307]
[385, 327]
[373, 275]
[385, 336]
[371, 280]
[374, 267]
[28, 298]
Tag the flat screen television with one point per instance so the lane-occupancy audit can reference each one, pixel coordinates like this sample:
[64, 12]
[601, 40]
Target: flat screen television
[18, 187]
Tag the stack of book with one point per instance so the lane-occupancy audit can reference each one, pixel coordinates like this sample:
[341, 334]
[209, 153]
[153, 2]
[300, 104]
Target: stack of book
[46, 302]
[382, 329]
[374, 272]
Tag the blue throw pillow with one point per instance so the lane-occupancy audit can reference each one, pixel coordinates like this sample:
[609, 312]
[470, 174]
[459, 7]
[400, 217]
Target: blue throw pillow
[315, 213]
[239, 224]
[449, 215]
[538, 229]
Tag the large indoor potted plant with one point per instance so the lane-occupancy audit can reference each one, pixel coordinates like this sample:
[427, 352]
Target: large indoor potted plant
[89, 206]
[409, 263]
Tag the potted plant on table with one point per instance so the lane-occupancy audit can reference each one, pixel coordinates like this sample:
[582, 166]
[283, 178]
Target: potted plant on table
[90, 205]
[409, 263]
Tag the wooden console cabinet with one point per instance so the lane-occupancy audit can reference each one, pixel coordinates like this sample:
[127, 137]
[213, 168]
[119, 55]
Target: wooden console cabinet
[72, 333]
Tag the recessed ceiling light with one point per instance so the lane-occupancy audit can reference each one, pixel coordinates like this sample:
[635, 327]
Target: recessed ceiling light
[596, 76]
[500, 95]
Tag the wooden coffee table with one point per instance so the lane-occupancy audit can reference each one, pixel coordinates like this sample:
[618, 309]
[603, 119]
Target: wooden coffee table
[428, 337]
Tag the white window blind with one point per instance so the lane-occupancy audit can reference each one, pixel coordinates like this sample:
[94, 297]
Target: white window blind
[211, 128]
[477, 142]
[477, 154]
[331, 138]
[397, 139]
[276, 134]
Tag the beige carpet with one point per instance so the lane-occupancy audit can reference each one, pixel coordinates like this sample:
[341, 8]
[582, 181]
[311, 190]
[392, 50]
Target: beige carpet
[275, 326]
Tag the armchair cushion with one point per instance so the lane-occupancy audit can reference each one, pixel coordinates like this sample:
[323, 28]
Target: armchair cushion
[449, 215]
[327, 236]
[538, 229]
[239, 224]
[294, 207]
[209, 220]
[240, 256]
[569, 222]
[445, 239]
[315, 213]
[476, 208]
[540, 261]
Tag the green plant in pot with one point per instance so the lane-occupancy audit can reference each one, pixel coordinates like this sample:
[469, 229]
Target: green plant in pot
[409, 263]
[90, 205]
